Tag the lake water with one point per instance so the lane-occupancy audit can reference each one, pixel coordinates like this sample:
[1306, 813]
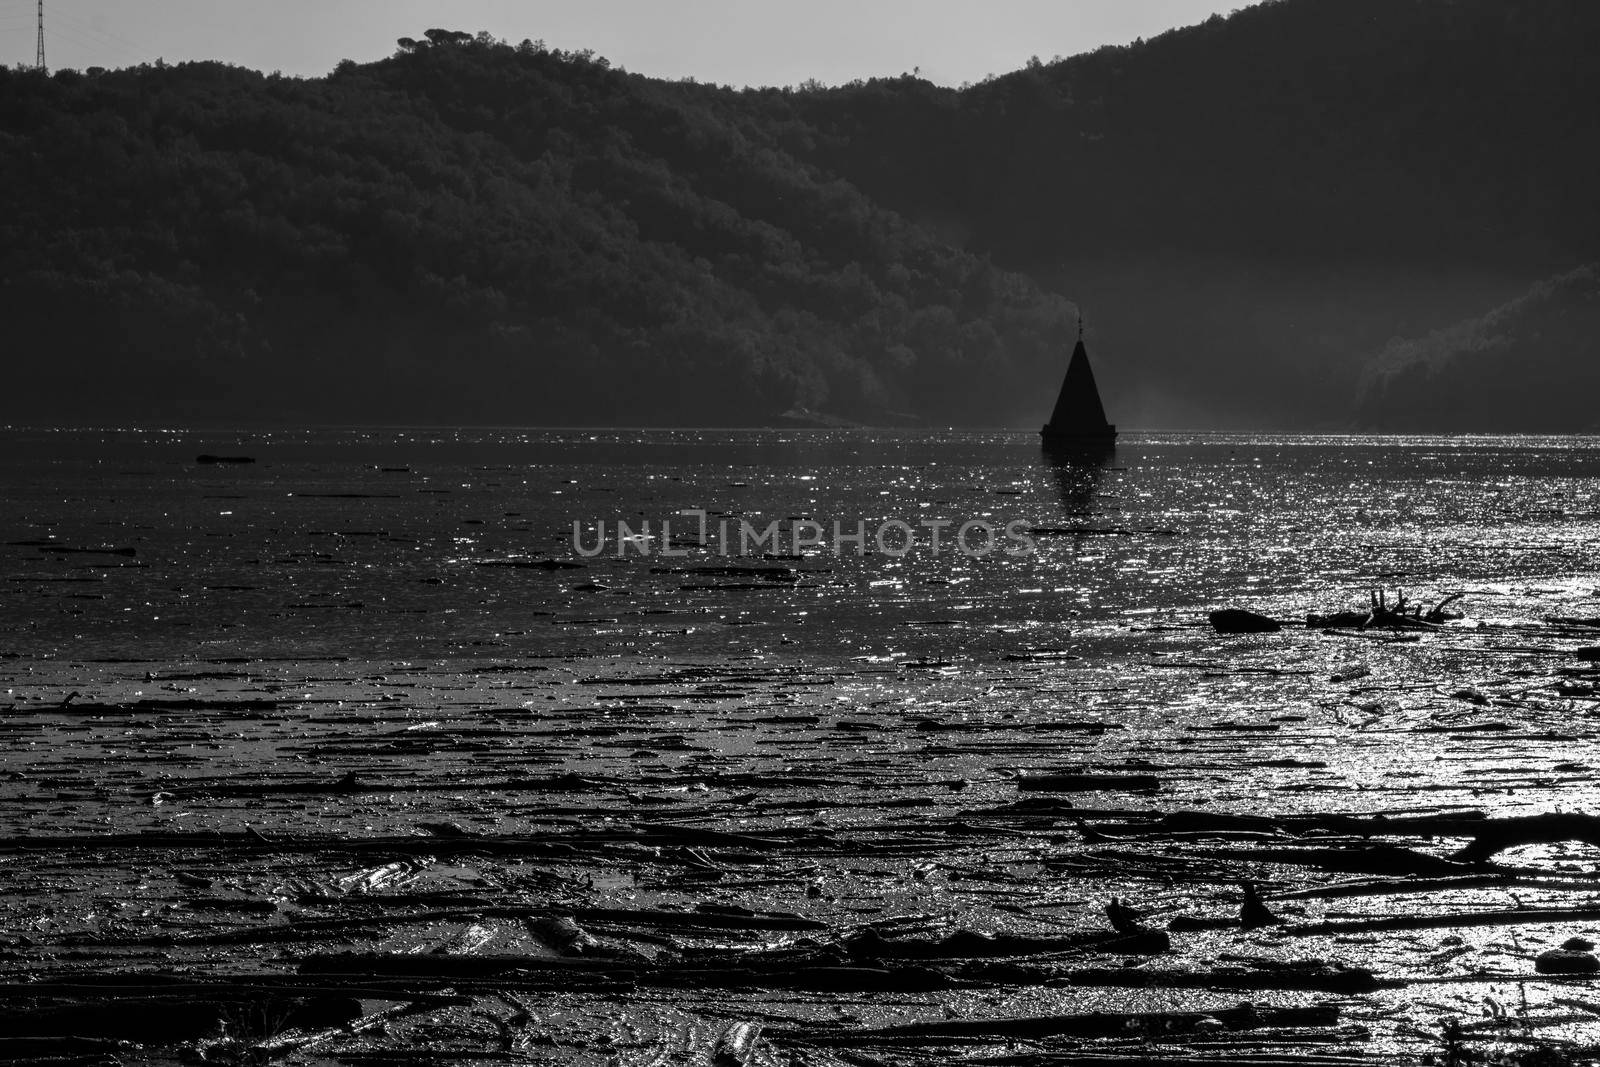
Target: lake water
[387, 655]
[376, 542]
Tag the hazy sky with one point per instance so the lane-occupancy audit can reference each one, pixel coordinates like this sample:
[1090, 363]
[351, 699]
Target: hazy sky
[737, 42]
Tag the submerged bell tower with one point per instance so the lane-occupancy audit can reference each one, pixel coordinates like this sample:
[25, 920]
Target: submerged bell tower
[1079, 417]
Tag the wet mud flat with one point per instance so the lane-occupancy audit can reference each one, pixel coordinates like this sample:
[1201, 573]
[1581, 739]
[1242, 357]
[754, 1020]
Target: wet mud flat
[1150, 842]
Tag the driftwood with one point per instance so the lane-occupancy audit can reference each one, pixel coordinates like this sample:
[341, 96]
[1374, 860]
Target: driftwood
[295, 1040]
[901, 879]
[61, 1050]
[1381, 615]
[564, 972]
[1497, 835]
[1486, 838]
[1506, 917]
[1237, 1056]
[312, 929]
[1088, 1025]
[736, 1045]
[966, 944]
[1088, 783]
[1320, 977]
[88, 985]
[167, 1018]
[1367, 859]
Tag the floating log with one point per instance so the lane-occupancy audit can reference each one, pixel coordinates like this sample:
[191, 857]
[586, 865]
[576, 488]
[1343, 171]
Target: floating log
[1307, 975]
[444, 967]
[1089, 1025]
[1088, 783]
[1506, 917]
[819, 979]
[1371, 859]
[967, 944]
[1496, 835]
[61, 1051]
[1401, 616]
[164, 1018]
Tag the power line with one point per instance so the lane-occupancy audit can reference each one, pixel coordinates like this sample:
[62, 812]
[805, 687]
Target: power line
[89, 41]
[93, 27]
[89, 46]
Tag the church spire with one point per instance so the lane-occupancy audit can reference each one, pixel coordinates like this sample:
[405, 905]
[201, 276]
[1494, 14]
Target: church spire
[1079, 416]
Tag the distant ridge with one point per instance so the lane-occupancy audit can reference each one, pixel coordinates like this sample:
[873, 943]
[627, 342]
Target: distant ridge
[473, 231]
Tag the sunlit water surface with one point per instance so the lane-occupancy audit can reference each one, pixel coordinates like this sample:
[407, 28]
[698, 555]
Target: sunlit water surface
[409, 610]
[375, 542]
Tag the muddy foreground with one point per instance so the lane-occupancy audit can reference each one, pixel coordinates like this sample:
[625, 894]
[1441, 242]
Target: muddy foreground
[1304, 847]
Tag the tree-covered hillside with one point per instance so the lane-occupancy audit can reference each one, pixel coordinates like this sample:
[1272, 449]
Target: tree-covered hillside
[1249, 207]
[1248, 210]
[471, 232]
[1444, 131]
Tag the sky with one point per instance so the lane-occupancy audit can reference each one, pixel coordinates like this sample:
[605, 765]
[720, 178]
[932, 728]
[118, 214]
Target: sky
[731, 42]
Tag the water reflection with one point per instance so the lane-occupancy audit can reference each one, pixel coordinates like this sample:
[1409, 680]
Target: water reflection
[1078, 469]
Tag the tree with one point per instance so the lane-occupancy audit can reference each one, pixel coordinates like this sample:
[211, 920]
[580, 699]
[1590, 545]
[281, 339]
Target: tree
[440, 37]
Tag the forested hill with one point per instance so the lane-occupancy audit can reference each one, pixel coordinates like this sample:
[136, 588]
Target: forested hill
[477, 233]
[1250, 208]
[470, 231]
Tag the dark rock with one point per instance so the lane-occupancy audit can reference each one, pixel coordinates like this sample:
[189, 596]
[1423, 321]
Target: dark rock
[1564, 961]
[1253, 913]
[1125, 920]
[1239, 621]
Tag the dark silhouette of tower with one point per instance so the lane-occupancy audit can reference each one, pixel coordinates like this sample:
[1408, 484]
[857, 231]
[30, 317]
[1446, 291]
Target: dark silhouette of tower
[1079, 417]
[38, 58]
